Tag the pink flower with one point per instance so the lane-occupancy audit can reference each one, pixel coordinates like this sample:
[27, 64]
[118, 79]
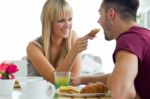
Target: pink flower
[11, 69]
[3, 67]
[7, 70]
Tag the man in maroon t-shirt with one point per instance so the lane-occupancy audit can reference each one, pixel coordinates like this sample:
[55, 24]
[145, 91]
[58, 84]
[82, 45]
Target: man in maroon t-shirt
[130, 78]
[136, 41]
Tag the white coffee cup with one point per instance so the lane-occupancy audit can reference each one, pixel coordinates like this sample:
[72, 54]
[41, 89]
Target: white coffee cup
[24, 79]
[40, 89]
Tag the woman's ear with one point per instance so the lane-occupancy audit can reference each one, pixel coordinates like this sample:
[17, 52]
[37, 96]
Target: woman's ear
[111, 14]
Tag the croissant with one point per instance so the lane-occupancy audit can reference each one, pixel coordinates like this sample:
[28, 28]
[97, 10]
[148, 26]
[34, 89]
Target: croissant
[97, 87]
[93, 32]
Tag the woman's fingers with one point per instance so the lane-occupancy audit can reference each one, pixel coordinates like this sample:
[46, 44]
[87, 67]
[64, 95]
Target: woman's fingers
[81, 44]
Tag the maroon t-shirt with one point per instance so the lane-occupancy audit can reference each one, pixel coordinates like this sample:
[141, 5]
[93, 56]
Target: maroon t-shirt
[137, 41]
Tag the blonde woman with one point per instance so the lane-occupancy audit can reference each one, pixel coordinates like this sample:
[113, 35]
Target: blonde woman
[58, 48]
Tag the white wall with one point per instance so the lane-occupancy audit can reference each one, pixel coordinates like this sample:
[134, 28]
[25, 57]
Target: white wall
[19, 23]
[144, 4]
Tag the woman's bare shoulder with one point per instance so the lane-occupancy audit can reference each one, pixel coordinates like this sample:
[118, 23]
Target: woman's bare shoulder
[33, 46]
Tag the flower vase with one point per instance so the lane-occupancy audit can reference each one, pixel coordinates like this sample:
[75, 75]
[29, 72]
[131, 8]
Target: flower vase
[6, 87]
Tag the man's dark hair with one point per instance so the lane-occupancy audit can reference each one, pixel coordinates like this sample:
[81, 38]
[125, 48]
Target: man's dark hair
[127, 9]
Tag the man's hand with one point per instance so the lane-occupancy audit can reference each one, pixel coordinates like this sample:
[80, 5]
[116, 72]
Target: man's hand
[75, 81]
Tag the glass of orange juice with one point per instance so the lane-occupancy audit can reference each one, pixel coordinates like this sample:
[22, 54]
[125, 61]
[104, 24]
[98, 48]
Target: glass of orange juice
[62, 78]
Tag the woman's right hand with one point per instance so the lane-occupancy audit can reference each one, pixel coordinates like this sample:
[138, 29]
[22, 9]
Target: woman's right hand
[81, 44]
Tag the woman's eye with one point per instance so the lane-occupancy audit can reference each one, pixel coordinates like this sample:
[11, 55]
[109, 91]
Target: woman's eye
[62, 20]
[70, 19]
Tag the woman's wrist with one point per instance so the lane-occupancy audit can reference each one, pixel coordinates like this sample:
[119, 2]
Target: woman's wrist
[73, 51]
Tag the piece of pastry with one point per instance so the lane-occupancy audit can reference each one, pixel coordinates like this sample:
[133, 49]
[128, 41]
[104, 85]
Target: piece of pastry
[97, 87]
[68, 89]
[16, 85]
[93, 32]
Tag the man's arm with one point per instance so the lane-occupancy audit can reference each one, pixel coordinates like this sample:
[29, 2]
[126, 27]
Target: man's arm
[121, 82]
[92, 79]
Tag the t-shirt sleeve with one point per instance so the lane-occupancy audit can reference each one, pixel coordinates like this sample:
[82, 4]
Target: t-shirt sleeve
[133, 43]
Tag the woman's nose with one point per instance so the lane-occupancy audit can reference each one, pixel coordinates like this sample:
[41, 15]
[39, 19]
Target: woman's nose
[67, 23]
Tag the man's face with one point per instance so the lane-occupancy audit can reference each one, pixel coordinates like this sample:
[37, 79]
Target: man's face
[105, 22]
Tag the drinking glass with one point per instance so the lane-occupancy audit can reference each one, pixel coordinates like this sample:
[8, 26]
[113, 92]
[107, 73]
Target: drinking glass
[62, 78]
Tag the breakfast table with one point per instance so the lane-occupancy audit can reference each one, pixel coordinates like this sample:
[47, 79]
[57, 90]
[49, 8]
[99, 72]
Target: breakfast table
[17, 95]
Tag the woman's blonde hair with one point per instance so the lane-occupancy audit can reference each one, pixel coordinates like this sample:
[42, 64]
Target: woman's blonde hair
[52, 11]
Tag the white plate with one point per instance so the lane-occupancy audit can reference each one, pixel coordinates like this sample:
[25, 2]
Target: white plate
[82, 95]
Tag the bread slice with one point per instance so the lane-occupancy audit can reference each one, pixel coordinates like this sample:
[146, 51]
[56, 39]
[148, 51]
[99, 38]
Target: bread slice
[68, 89]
